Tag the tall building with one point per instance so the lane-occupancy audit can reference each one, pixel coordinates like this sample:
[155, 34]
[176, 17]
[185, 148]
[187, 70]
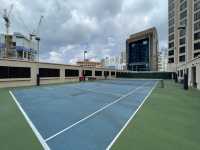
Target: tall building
[115, 62]
[162, 60]
[17, 46]
[142, 51]
[111, 62]
[184, 38]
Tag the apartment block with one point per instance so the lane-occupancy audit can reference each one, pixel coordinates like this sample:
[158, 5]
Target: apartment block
[184, 38]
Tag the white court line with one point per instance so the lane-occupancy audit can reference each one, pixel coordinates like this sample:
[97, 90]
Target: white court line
[126, 124]
[93, 91]
[91, 115]
[139, 79]
[36, 132]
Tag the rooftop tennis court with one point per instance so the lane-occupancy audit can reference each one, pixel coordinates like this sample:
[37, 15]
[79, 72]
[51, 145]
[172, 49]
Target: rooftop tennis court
[86, 115]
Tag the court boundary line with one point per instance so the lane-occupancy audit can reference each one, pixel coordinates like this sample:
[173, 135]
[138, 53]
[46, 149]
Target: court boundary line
[93, 91]
[131, 118]
[30, 123]
[94, 113]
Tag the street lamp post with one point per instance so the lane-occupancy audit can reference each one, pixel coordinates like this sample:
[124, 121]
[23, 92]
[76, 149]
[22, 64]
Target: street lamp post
[85, 52]
[183, 28]
[84, 58]
[38, 60]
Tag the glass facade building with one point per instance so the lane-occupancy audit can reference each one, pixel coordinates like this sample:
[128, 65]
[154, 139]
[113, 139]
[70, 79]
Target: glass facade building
[142, 51]
[139, 55]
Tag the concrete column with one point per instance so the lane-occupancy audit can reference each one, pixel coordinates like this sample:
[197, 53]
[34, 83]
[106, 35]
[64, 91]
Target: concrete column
[198, 75]
[80, 72]
[109, 74]
[34, 70]
[62, 73]
[22, 54]
[93, 72]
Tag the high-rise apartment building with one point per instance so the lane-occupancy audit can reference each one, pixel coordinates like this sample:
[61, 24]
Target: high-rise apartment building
[184, 38]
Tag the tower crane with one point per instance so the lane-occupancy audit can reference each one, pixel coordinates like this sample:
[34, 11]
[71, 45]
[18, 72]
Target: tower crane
[6, 17]
[36, 32]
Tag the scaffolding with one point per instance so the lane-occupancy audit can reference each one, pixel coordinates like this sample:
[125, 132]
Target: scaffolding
[17, 46]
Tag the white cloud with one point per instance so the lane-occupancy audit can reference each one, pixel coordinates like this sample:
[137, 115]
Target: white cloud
[103, 24]
[54, 57]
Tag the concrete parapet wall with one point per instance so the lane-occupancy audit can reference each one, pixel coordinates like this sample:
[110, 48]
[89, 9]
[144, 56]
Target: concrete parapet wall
[16, 82]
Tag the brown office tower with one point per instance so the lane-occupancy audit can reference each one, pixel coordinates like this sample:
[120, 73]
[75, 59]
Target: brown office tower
[142, 51]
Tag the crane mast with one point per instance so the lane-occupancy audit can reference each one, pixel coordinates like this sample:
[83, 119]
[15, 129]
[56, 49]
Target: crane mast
[8, 41]
[6, 17]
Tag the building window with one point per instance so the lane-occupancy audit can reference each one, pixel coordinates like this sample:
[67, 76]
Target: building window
[196, 54]
[171, 52]
[171, 60]
[171, 5]
[197, 6]
[171, 14]
[98, 73]
[112, 73]
[171, 22]
[171, 37]
[7, 72]
[182, 33]
[87, 72]
[48, 72]
[71, 73]
[106, 73]
[171, 30]
[171, 45]
[183, 15]
[197, 16]
[182, 41]
[197, 26]
[197, 36]
[138, 52]
[183, 6]
[183, 22]
[197, 46]
[182, 50]
[182, 58]
[181, 73]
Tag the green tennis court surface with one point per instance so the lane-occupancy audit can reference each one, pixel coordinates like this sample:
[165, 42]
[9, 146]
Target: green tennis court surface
[168, 120]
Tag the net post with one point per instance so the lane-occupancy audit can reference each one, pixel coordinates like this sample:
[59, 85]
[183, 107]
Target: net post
[162, 85]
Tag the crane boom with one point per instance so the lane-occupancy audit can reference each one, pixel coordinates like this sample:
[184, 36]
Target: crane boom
[39, 24]
[37, 30]
[10, 11]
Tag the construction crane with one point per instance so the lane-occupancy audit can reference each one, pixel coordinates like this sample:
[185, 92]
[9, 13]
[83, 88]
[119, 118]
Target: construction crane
[6, 17]
[36, 32]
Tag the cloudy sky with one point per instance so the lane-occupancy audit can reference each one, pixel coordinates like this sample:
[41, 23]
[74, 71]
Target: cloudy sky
[100, 26]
